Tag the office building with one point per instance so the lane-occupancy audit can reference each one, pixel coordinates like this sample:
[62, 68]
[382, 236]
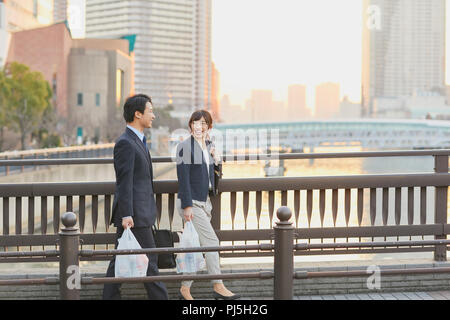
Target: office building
[89, 78]
[72, 11]
[297, 103]
[327, 100]
[215, 93]
[172, 51]
[18, 15]
[403, 49]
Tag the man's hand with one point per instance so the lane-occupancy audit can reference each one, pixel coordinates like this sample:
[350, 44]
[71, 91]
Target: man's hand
[188, 213]
[127, 222]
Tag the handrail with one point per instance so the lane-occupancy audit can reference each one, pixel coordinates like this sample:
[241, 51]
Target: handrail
[262, 246]
[240, 157]
[362, 273]
[236, 185]
[247, 275]
[90, 253]
[18, 153]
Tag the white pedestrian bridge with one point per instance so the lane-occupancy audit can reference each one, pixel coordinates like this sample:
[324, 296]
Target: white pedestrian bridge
[367, 133]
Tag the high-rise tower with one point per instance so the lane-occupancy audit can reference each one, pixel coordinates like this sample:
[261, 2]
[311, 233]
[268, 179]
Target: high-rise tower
[403, 49]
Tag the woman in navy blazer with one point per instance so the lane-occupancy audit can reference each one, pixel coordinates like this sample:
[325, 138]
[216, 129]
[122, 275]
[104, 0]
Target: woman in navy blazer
[195, 171]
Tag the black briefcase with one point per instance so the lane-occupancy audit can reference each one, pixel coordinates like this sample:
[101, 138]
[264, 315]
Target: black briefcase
[217, 177]
[164, 239]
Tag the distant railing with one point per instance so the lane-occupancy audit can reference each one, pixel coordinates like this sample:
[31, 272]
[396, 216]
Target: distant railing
[258, 198]
[29, 156]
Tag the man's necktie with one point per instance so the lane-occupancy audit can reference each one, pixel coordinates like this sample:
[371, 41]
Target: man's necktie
[148, 153]
[145, 144]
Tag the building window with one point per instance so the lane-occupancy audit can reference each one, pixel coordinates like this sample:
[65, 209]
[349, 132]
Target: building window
[80, 99]
[97, 99]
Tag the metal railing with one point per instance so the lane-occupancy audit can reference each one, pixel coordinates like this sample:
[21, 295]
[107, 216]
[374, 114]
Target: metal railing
[19, 161]
[258, 198]
[70, 280]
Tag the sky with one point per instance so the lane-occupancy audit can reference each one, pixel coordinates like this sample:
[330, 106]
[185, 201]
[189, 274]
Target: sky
[270, 44]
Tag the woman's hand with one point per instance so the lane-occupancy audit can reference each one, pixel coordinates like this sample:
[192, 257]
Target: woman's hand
[188, 213]
[212, 150]
[213, 154]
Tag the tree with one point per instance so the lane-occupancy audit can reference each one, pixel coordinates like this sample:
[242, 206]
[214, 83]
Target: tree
[4, 93]
[45, 133]
[30, 96]
[163, 119]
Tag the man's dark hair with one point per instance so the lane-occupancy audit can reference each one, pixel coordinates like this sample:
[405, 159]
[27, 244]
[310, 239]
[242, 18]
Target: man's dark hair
[133, 104]
[197, 115]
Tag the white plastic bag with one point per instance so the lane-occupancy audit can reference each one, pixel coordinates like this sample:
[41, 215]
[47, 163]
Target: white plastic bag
[131, 265]
[189, 262]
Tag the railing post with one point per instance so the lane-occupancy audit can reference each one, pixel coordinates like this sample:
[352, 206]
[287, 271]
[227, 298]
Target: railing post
[216, 202]
[440, 214]
[284, 256]
[69, 271]
[215, 213]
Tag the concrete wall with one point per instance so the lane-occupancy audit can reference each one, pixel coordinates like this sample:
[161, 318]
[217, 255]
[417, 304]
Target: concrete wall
[88, 75]
[116, 122]
[45, 50]
[93, 72]
[87, 66]
[103, 44]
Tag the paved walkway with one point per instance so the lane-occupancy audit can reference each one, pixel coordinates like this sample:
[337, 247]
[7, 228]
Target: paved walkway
[432, 295]
[428, 295]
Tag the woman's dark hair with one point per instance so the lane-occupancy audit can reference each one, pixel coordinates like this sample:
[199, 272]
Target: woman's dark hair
[133, 104]
[197, 115]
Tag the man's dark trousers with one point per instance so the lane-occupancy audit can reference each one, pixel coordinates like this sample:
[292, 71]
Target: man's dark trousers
[155, 290]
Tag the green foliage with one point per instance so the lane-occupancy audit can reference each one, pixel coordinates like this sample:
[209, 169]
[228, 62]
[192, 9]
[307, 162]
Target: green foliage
[46, 139]
[163, 118]
[27, 101]
[4, 93]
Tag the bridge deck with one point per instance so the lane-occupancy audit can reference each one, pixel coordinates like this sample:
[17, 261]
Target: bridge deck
[421, 295]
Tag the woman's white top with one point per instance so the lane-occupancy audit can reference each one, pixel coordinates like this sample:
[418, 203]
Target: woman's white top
[206, 156]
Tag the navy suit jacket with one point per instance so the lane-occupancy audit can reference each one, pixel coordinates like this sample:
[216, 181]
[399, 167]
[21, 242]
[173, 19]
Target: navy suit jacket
[192, 172]
[134, 195]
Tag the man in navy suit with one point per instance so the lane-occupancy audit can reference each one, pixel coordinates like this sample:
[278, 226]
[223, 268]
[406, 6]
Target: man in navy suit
[134, 201]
